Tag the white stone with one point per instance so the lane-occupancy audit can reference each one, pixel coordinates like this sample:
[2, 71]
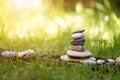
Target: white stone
[77, 35]
[26, 54]
[90, 60]
[79, 54]
[67, 58]
[118, 60]
[111, 60]
[8, 54]
[100, 61]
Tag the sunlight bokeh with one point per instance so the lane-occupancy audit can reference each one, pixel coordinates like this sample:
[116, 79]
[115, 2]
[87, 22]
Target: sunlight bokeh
[27, 4]
[32, 18]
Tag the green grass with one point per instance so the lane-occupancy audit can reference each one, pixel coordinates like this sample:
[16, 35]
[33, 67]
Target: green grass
[50, 70]
[62, 71]
[43, 43]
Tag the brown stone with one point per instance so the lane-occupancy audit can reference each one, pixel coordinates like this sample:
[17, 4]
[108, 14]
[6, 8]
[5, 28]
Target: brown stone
[76, 42]
[78, 31]
[77, 48]
[78, 57]
[1, 50]
[118, 60]
[79, 54]
[90, 60]
[79, 40]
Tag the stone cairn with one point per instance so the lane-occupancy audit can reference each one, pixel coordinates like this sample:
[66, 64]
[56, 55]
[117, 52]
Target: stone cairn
[77, 52]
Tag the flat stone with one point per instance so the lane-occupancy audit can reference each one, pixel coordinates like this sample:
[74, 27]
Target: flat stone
[111, 60]
[77, 48]
[118, 60]
[78, 31]
[90, 60]
[8, 54]
[80, 42]
[78, 38]
[26, 54]
[79, 54]
[100, 61]
[77, 35]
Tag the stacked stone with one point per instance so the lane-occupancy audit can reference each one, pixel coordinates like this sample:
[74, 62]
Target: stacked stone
[77, 52]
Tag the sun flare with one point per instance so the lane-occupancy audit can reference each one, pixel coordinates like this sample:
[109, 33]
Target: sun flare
[29, 18]
[25, 4]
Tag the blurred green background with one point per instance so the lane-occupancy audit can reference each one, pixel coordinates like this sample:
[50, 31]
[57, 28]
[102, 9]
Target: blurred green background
[46, 25]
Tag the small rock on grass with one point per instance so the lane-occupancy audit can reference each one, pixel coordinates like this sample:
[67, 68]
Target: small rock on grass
[90, 60]
[111, 60]
[100, 61]
[22, 55]
[8, 54]
[79, 54]
[118, 60]
[77, 48]
[1, 50]
[26, 54]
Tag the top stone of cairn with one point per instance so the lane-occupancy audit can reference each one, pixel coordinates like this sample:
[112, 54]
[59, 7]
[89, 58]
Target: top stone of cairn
[78, 31]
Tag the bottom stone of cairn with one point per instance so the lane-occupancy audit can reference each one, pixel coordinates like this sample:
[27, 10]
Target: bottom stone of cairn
[90, 60]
